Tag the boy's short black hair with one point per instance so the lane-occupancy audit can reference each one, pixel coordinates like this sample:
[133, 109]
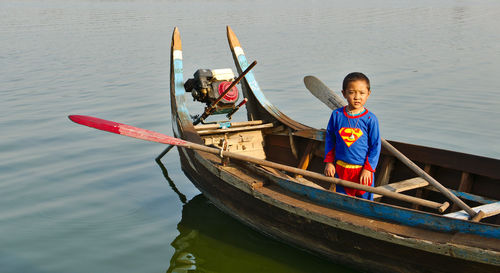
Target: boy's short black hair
[355, 76]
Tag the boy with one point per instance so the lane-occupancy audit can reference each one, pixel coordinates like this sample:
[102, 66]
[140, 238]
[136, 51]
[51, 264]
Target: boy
[352, 143]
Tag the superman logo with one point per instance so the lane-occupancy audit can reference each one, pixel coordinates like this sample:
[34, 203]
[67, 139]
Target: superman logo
[350, 135]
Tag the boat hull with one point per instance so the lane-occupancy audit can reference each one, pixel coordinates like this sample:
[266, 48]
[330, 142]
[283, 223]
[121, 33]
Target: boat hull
[339, 245]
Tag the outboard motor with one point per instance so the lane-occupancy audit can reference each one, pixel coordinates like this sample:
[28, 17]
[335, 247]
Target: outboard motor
[207, 85]
[216, 88]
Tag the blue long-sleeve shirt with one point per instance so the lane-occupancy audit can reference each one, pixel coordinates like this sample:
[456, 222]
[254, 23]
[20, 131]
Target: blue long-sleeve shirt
[353, 139]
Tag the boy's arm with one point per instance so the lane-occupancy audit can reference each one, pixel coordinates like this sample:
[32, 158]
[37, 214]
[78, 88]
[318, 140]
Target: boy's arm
[330, 140]
[374, 146]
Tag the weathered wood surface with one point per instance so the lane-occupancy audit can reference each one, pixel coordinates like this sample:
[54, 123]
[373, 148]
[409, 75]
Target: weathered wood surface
[450, 159]
[234, 129]
[384, 174]
[306, 157]
[232, 124]
[247, 142]
[466, 182]
[405, 185]
[488, 209]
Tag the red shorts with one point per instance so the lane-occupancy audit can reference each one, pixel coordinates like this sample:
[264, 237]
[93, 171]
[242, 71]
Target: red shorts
[350, 172]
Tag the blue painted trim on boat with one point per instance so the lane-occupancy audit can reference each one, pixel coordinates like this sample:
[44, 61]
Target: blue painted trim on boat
[179, 91]
[473, 197]
[179, 77]
[389, 213]
[224, 125]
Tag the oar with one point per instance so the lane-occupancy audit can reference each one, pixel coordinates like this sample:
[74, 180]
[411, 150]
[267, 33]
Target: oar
[130, 131]
[334, 101]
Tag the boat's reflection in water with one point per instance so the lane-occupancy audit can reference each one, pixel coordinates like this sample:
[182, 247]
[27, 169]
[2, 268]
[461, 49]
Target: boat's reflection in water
[211, 241]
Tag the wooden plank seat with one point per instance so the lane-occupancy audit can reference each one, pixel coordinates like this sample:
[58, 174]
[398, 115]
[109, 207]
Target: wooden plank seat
[405, 185]
[231, 129]
[488, 209]
[231, 124]
[418, 182]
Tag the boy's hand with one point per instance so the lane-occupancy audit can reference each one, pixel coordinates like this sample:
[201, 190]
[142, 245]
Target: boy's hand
[365, 177]
[329, 169]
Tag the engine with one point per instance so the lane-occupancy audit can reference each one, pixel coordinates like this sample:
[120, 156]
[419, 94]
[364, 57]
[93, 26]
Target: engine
[207, 85]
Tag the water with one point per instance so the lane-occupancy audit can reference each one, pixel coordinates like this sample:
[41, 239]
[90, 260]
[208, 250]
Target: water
[78, 200]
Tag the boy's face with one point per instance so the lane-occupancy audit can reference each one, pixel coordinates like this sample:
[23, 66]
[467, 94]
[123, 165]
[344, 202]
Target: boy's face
[357, 94]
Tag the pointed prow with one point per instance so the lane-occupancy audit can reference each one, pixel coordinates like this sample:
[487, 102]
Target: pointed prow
[176, 40]
[231, 37]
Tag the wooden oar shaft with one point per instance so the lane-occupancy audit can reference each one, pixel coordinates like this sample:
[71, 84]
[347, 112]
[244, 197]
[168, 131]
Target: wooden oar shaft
[438, 206]
[334, 99]
[410, 164]
[131, 131]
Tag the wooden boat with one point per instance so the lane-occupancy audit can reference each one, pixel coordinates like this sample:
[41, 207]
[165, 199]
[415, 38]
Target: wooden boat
[384, 235]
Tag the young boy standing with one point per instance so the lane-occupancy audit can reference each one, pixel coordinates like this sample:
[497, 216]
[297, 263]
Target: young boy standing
[352, 144]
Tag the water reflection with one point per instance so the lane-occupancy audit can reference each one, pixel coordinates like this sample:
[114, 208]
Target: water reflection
[171, 183]
[211, 241]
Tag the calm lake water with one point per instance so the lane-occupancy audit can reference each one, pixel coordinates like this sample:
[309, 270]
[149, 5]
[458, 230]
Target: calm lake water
[74, 199]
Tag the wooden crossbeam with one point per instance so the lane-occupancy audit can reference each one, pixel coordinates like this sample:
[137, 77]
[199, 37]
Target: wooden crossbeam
[234, 129]
[233, 124]
[466, 182]
[306, 157]
[385, 171]
[405, 185]
[419, 183]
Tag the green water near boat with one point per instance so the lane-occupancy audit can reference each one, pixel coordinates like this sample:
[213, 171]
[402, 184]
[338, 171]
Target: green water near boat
[78, 200]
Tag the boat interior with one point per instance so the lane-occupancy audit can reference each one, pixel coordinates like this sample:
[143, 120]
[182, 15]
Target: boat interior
[474, 179]
[270, 135]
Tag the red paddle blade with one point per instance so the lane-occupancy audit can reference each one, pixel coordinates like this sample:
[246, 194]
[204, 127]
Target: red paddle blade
[126, 130]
